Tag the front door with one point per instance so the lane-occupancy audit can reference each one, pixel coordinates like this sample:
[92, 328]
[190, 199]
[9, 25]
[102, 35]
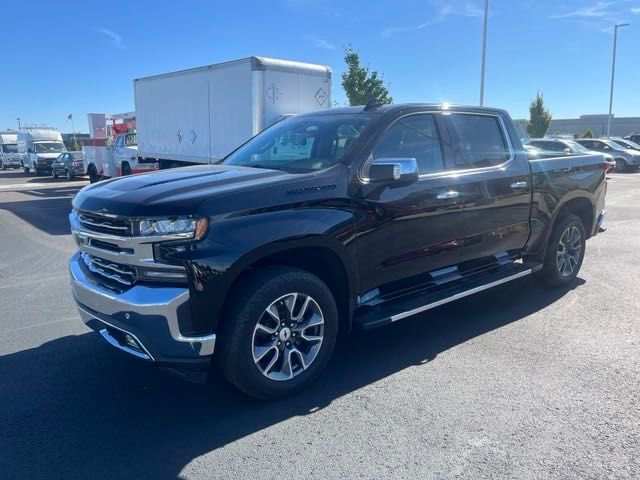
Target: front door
[406, 231]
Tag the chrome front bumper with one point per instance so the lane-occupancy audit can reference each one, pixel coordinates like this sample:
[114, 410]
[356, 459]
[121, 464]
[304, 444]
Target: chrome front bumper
[147, 314]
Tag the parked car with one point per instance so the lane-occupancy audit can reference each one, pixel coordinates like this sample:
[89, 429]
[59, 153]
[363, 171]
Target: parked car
[623, 142]
[570, 147]
[535, 152]
[634, 137]
[328, 221]
[625, 158]
[68, 165]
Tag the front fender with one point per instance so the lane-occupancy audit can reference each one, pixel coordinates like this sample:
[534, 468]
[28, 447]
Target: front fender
[233, 245]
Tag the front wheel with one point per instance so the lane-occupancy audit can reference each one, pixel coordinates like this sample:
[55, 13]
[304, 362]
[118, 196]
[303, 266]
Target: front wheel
[565, 252]
[26, 170]
[280, 331]
[54, 174]
[68, 175]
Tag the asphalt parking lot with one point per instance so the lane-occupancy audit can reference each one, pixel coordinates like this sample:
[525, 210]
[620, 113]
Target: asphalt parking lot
[517, 382]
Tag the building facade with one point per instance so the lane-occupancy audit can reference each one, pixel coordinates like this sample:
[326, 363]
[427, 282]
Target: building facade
[620, 126]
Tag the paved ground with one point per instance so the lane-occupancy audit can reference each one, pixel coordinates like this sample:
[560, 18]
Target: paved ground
[518, 382]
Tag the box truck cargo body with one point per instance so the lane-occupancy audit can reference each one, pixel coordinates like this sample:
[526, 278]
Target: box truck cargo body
[202, 114]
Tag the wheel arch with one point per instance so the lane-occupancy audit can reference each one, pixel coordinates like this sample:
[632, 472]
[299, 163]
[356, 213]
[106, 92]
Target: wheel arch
[321, 257]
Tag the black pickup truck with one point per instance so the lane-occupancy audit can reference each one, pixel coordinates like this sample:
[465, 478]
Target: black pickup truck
[350, 218]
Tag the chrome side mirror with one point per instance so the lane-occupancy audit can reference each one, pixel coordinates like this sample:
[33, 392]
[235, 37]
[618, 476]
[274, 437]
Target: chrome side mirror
[397, 170]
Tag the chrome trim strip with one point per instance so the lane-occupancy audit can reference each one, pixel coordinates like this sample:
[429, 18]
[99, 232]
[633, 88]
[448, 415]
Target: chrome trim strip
[460, 295]
[105, 334]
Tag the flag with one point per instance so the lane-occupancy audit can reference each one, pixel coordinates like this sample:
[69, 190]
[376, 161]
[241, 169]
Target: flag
[70, 116]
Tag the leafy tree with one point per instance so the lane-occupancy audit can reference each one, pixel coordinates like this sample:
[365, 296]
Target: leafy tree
[587, 134]
[360, 84]
[539, 117]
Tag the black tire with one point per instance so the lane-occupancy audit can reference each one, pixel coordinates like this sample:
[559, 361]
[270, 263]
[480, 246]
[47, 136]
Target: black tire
[126, 169]
[4, 167]
[93, 174]
[54, 174]
[555, 272]
[621, 165]
[247, 306]
[68, 175]
[26, 170]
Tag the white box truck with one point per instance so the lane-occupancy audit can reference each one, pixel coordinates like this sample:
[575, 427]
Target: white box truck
[9, 157]
[202, 114]
[38, 147]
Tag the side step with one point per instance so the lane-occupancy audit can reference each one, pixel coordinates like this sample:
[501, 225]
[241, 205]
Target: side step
[394, 310]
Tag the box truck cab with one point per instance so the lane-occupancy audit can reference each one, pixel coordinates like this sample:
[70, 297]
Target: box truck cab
[200, 115]
[125, 156]
[38, 148]
[9, 157]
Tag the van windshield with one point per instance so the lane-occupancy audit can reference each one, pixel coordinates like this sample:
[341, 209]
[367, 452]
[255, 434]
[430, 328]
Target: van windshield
[302, 144]
[10, 148]
[49, 147]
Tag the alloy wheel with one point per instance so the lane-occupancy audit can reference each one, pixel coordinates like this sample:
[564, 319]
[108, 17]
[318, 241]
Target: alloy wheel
[569, 250]
[288, 336]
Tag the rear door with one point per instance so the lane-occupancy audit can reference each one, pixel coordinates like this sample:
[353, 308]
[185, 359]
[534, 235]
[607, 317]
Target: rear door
[492, 186]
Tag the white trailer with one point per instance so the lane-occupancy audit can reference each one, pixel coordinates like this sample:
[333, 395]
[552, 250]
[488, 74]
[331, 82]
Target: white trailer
[38, 147]
[202, 114]
[9, 156]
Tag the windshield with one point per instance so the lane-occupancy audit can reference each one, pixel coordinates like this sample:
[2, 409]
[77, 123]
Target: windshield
[627, 144]
[575, 146]
[302, 144]
[10, 148]
[49, 147]
[612, 144]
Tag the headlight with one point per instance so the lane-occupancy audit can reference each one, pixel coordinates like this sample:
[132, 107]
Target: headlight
[191, 227]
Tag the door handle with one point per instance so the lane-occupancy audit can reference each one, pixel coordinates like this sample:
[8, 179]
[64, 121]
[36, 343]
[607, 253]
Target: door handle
[448, 194]
[519, 185]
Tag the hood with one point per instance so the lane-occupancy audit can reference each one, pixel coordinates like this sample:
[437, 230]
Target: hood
[48, 156]
[177, 191]
[632, 152]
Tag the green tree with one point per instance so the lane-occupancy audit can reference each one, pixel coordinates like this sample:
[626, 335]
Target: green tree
[360, 84]
[539, 117]
[587, 134]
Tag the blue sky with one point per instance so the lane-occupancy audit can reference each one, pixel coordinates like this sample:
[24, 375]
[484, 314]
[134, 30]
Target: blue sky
[81, 56]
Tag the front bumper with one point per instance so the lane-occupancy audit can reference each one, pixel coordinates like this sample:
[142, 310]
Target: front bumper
[142, 321]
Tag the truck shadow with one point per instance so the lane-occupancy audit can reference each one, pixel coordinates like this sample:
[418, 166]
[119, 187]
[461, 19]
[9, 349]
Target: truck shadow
[48, 211]
[75, 408]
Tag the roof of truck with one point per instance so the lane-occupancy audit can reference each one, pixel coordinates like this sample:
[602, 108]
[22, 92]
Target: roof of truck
[406, 106]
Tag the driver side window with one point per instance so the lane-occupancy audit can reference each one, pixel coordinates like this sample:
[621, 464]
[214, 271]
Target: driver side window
[413, 136]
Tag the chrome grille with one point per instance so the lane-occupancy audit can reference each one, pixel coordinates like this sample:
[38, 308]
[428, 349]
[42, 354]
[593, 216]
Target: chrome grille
[104, 224]
[117, 272]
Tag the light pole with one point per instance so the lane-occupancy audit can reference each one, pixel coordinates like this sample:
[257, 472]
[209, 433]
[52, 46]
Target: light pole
[613, 72]
[19, 128]
[484, 51]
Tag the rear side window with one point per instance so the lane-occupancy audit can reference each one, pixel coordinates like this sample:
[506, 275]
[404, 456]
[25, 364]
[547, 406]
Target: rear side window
[478, 141]
[414, 136]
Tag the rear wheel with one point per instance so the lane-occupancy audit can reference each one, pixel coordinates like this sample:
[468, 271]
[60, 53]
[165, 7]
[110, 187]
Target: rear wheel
[621, 165]
[26, 170]
[281, 329]
[4, 167]
[565, 252]
[126, 169]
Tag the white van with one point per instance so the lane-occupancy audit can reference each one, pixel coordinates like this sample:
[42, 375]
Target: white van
[9, 157]
[38, 147]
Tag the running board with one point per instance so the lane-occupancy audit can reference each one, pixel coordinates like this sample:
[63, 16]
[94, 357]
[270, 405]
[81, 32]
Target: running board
[384, 314]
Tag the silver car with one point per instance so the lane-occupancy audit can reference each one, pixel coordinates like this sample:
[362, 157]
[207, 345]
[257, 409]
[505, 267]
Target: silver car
[625, 158]
[564, 146]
